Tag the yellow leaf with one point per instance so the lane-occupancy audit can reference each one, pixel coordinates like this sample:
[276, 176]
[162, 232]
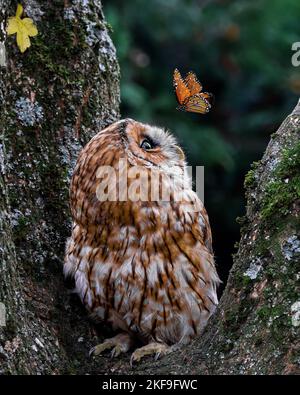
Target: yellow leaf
[23, 41]
[24, 28]
[30, 27]
[12, 26]
[19, 11]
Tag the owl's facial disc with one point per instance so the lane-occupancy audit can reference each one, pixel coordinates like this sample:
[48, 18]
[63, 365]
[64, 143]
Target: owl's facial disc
[153, 146]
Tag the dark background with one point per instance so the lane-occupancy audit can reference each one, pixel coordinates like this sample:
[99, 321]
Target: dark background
[241, 52]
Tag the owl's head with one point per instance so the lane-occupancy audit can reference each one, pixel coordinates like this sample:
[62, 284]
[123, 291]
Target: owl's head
[101, 173]
[149, 146]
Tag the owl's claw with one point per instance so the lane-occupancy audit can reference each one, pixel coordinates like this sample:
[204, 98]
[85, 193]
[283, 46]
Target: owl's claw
[119, 344]
[97, 350]
[158, 349]
[116, 351]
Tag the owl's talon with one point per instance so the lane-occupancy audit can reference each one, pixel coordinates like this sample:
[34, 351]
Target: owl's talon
[119, 344]
[131, 361]
[158, 349]
[99, 348]
[91, 352]
[157, 356]
[116, 351]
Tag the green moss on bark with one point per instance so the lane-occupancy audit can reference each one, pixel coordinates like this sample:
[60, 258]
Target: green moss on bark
[284, 189]
[56, 96]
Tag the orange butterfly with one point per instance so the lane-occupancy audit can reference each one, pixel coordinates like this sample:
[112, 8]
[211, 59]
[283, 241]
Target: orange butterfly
[189, 95]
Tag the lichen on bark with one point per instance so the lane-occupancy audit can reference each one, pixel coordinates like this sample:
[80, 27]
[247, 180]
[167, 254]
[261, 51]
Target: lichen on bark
[54, 98]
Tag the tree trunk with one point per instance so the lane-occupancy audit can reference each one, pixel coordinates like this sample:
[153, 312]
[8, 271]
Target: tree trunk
[54, 98]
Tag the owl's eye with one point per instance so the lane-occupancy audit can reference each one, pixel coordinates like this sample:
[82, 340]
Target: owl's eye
[147, 144]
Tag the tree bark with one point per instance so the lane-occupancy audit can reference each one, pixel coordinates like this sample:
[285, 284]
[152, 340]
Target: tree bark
[54, 98]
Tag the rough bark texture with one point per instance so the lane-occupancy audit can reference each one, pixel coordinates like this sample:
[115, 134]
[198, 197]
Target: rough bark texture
[54, 97]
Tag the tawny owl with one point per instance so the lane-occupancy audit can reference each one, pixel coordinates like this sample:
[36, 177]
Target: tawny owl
[142, 262]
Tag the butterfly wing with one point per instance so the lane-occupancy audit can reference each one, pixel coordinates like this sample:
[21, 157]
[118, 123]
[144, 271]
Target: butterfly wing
[192, 83]
[189, 95]
[208, 96]
[197, 103]
[181, 90]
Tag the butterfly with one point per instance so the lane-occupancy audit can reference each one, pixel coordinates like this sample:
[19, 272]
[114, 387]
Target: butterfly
[189, 95]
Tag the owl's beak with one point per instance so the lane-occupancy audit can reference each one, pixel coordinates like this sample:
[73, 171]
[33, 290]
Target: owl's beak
[180, 152]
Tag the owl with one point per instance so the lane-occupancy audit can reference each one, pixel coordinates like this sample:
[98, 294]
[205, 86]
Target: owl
[140, 251]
